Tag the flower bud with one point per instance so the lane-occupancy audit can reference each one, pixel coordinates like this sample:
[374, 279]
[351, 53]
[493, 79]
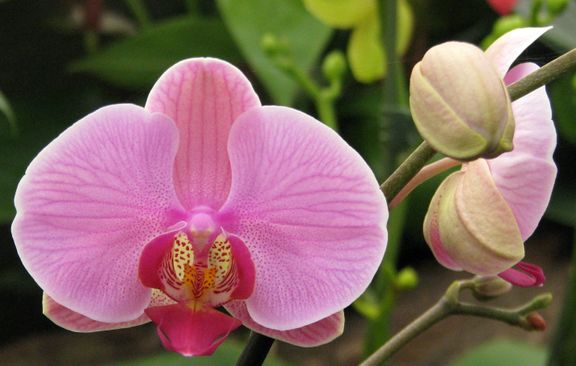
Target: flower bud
[469, 226]
[486, 288]
[460, 104]
[334, 66]
[406, 279]
[536, 321]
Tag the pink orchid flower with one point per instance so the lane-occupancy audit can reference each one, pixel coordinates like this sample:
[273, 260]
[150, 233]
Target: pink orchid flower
[502, 7]
[201, 199]
[525, 176]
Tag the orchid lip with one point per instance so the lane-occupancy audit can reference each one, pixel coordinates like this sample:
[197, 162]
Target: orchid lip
[524, 275]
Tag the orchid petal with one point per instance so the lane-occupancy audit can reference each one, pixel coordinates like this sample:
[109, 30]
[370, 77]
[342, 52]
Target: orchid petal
[528, 275]
[309, 210]
[191, 332]
[312, 335]
[203, 97]
[88, 204]
[76, 322]
[432, 231]
[525, 176]
[507, 48]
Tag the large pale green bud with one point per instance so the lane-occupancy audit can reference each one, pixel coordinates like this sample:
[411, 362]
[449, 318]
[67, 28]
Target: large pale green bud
[469, 225]
[460, 104]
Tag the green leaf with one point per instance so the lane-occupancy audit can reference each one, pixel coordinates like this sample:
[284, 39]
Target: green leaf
[8, 113]
[562, 204]
[250, 20]
[562, 35]
[227, 354]
[137, 62]
[563, 95]
[503, 352]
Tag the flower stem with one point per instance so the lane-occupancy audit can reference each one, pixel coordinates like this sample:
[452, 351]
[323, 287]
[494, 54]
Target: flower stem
[551, 71]
[449, 305]
[407, 170]
[139, 11]
[562, 346]
[256, 350]
[324, 98]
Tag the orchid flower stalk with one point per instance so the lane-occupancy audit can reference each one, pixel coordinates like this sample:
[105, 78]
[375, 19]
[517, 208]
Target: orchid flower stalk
[201, 199]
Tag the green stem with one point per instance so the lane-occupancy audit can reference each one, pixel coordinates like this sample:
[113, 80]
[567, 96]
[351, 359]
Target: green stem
[323, 98]
[551, 71]
[8, 112]
[139, 11]
[388, 21]
[562, 347]
[91, 41]
[449, 305]
[379, 327]
[192, 6]
[256, 350]
[388, 10]
[407, 170]
[326, 111]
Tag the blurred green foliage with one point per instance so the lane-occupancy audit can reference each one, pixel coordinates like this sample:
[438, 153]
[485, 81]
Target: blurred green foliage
[136, 62]
[250, 20]
[503, 352]
[226, 354]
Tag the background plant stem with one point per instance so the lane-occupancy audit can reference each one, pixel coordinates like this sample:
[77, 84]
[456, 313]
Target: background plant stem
[384, 291]
[562, 348]
[256, 350]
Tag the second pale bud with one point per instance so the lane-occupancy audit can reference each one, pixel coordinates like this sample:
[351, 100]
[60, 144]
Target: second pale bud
[469, 225]
[460, 104]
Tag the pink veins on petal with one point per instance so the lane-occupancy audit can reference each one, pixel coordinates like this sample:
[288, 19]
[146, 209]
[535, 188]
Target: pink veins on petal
[201, 199]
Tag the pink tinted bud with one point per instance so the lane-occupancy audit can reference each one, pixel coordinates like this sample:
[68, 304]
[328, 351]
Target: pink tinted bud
[469, 226]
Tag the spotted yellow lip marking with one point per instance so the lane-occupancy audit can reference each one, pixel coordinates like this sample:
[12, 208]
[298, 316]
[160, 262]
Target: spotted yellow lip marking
[198, 277]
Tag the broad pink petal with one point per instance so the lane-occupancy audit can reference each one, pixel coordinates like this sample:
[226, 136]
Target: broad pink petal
[309, 210]
[507, 48]
[312, 335]
[191, 333]
[525, 176]
[75, 322]
[88, 204]
[203, 96]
